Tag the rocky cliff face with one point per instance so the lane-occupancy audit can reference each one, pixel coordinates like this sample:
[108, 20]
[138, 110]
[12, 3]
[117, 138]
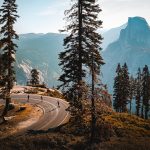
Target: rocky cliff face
[39, 51]
[137, 33]
[132, 47]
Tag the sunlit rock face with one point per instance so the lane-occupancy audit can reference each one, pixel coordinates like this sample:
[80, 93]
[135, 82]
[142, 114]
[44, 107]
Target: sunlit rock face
[132, 47]
[137, 33]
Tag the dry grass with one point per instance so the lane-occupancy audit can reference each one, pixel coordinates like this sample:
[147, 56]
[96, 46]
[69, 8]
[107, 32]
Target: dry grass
[47, 141]
[16, 116]
[53, 93]
[126, 125]
[45, 92]
[58, 141]
[139, 143]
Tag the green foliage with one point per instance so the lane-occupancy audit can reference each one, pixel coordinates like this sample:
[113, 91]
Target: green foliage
[121, 88]
[8, 49]
[34, 78]
[81, 49]
[125, 89]
[8, 17]
[146, 90]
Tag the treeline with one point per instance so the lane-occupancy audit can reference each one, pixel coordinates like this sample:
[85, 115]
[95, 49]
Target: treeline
[128, 88]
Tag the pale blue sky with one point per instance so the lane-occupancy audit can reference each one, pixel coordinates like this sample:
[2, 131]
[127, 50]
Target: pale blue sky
[42, 16]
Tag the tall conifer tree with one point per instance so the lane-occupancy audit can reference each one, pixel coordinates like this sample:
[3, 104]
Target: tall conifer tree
[72, 59]
[146, 90]
[91, 45]
[117, 89]
[121, 88]
[82, 50]
[7, 20]
[82, 45]
[34, 77]
[125, 88]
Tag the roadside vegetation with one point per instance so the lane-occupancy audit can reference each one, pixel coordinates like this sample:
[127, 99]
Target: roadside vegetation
[117, 131]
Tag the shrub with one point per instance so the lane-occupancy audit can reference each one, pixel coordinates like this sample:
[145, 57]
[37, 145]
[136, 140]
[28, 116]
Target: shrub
[21, 108]
[11, 106]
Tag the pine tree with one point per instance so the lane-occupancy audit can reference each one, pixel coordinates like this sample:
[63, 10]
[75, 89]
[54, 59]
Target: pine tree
[146, 90]
[81, 45]
[117, 89]
[138, 92]
[7, 20]
[125, 87]
[121, 89]
[92, 42]
[34, 77]
[72, 59]
[82, 50]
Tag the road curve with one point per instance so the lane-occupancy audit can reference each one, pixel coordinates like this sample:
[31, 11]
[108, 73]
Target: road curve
[53, 115]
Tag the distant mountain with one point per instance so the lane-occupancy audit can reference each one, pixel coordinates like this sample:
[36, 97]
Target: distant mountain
[39, 51]
[111, 35]
[128, 43]
[133, 47]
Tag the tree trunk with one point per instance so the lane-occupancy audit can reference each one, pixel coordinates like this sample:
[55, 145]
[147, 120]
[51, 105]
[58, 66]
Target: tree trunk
[8, 99]
[130, 106]
[80, 52]
[93, 123]
[80, 39]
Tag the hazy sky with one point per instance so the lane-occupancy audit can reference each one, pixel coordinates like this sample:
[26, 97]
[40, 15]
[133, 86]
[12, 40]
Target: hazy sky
[42, 16]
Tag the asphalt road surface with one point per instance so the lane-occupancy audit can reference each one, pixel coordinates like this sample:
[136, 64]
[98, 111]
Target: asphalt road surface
[54, 110]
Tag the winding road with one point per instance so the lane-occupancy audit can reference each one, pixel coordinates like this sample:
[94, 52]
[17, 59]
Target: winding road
[53, 115]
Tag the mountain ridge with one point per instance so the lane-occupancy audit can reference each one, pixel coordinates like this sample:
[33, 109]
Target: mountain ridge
[130, 48]
[41, 51]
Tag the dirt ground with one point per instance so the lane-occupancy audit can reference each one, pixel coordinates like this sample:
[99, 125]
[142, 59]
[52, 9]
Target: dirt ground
[18, 120]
